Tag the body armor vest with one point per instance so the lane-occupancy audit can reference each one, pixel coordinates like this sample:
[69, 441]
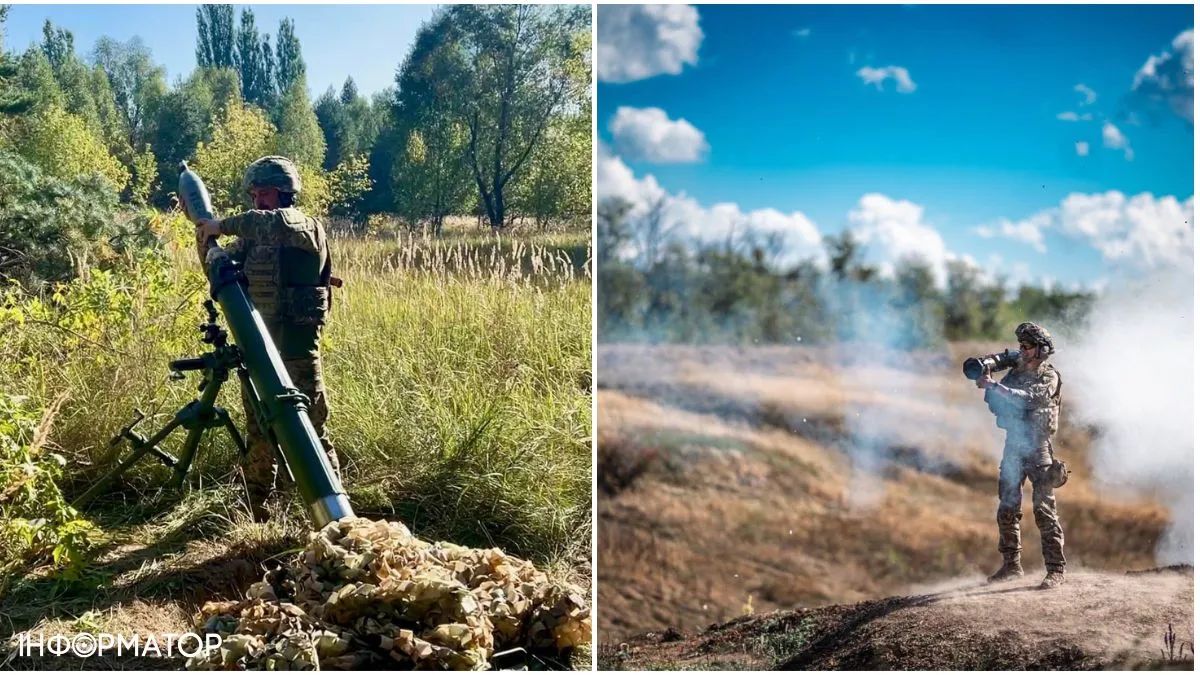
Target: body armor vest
[288, 270]
[1040, 423]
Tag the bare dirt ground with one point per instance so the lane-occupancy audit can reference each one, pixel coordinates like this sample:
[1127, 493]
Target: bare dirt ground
[736, 481]
[1097, 620]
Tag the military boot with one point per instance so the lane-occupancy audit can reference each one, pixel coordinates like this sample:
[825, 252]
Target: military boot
[1011, 569]
[1053, 579]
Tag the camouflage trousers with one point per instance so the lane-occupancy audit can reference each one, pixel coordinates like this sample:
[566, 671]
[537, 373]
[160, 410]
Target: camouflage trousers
[1022, 461]
[261, 466]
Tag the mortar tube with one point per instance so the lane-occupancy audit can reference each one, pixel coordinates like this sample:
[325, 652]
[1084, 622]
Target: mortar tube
[287, 413]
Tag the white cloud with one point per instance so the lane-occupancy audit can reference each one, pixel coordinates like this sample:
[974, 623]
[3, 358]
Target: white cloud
[797, 236]
[877, 76]
[802, 32]
[1072, 116]
[615, 179]
[1171, 76]
[648, 134]
[1113, 138]
[1141, 232]
[1028, 231]
[640, 41]
[892, 231]
[1089, 96]
[1081, 148]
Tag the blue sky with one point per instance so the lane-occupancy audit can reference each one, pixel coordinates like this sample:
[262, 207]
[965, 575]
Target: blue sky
[365, 41]
[789, 123]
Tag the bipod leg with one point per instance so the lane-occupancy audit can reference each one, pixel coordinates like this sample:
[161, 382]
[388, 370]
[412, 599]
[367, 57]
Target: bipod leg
[200, 416]
[223, 418]
[141, 446]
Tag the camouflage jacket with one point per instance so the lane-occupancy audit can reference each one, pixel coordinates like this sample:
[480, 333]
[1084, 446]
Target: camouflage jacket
[285, 257]
[1028, 403]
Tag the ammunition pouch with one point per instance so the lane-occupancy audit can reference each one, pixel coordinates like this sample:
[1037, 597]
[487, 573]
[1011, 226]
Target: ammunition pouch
[1057, 473]
[305, 305]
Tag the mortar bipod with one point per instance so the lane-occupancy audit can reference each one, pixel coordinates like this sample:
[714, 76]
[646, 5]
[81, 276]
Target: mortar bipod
[197, 416]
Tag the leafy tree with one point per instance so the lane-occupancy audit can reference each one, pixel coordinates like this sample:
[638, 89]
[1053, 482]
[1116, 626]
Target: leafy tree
[349, 122]
[13, 99]
[289, 63]
[430, 176]
[347, 185]
[58, 45]
[186, 117]
[331, 116]
[382, 157]
[558, 181]
[518, 66]
[62, 145]
[138, 85]
[241, 136]
[300, 136]
[349, 91]
[214, 41]
[253, 61]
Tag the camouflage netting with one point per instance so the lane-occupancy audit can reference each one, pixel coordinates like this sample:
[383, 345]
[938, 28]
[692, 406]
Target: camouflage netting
[368, 593]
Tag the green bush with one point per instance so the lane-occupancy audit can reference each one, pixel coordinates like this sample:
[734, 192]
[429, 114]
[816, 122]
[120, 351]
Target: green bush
[51, 228]
[38, 526]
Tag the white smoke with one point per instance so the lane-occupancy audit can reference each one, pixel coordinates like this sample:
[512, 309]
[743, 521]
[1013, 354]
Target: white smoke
[1128, 372]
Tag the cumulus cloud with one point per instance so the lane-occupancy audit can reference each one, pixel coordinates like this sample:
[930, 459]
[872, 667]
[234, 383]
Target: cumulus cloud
[1170, 76]
[1089, 96]
[640, 41]
[1138, 233]
[615, 179]
[1027, 231]
[1113, 138]
[1081, 148]
[1072, 116]
[877, 76]
[892, 231]
[797, 236]
[648, 134]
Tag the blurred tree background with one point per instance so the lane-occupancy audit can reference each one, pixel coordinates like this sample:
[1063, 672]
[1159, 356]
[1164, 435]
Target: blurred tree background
[655, 287]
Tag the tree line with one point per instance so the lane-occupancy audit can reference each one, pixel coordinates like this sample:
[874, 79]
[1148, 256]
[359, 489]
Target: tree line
[489, 114]
[657, 288]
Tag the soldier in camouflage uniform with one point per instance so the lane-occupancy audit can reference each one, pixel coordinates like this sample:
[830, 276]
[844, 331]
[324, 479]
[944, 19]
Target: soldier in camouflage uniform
[1026, 404]
[285, 257]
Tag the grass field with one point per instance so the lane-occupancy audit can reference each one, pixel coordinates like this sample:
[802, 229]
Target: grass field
[460, 394]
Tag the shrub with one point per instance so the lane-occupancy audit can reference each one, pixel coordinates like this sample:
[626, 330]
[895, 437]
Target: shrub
[37, 523]
[50, 227]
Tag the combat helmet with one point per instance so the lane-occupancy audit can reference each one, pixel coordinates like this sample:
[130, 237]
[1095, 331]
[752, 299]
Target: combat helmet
[1036, 335]
[272, 171]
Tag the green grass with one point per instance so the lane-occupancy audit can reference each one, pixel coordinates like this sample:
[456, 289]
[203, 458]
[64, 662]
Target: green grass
[458, 373]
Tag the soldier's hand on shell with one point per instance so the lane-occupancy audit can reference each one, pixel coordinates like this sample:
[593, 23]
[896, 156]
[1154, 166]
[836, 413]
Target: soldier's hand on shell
[985, 381]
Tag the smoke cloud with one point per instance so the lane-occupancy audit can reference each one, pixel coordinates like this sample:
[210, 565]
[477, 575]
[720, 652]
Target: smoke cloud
[1128, 372]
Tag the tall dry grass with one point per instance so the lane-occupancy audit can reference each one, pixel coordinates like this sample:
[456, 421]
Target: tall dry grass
[458, 370]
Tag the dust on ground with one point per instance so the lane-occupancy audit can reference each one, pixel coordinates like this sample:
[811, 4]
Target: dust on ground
[1096, 620]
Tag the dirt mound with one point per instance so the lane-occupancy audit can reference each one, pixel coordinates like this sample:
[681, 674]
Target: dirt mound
[1096, 620]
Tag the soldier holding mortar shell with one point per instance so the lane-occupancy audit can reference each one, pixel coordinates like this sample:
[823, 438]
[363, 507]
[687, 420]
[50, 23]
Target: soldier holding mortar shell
[285, 257]
[1026, 405]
